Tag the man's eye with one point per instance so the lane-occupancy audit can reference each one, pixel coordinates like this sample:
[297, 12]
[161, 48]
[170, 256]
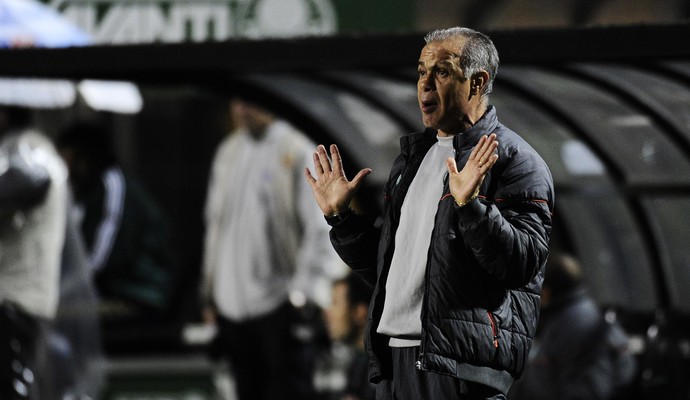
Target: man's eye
[421, 73]
[442, 72]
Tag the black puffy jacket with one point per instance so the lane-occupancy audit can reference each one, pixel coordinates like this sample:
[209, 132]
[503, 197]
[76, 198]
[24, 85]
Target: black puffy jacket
[485, 266]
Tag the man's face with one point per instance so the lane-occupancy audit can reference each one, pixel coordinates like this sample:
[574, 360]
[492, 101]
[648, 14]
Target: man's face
[254, 118]
[443, 91]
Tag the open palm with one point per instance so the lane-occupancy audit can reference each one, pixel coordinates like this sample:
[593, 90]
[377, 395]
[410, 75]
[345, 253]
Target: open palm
[332, 190]
[465, 184]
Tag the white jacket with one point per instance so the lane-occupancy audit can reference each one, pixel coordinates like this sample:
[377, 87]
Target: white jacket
[32, 238]
[265, 235]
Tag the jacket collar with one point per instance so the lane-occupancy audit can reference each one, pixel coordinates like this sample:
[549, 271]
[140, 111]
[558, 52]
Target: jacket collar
[417, 142]
[486, 124]
[422, 141]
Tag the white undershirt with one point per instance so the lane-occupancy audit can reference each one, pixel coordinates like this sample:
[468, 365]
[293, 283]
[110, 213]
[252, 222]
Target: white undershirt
[401, 318]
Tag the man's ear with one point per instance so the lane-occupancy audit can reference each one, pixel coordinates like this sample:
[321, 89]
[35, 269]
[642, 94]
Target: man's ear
[478, 82]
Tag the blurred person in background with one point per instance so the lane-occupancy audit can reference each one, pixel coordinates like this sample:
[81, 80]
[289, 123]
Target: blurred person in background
[266, 257]
[346, 378]
[579, 352]
[33, 213]
[127, 235]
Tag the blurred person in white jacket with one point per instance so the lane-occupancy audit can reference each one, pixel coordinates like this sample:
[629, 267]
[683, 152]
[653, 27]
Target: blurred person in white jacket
[33, 211]
[266, 255]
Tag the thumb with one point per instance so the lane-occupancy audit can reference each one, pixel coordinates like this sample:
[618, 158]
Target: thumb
[452, 166]
[357, 180]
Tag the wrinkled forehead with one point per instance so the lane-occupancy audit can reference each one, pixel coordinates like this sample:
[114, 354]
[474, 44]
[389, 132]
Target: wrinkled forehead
[441, 52]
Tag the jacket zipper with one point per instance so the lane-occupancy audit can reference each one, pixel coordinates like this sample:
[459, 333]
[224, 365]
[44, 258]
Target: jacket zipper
[425, 303]
[425, 299]
[494, 327]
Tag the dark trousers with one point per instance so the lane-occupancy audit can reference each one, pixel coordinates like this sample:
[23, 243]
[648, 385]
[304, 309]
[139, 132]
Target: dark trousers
[409, 383]
[266, 359]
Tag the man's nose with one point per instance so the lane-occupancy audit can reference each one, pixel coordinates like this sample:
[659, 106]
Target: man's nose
[426, 83]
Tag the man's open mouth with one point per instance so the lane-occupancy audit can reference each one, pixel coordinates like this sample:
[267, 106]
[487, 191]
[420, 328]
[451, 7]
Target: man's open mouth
[428, 106]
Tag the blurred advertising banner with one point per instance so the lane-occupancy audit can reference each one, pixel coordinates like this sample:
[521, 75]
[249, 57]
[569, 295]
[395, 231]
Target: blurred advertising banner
[147, 21]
